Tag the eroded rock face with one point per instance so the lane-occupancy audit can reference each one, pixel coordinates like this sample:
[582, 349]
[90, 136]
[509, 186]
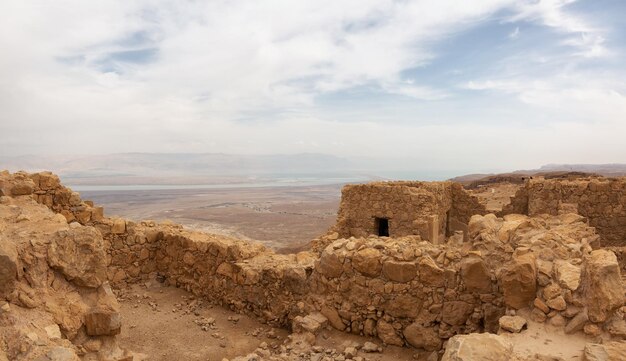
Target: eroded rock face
[8, 267]
[79, 254]
[604, 289]
[478, 346]
[519, 281]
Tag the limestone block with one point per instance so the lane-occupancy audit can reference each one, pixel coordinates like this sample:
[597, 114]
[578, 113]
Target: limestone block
[475, 275]
[103, 322]
[330, 264]
[519, 281]
[478, 346]
[367, 262]
[430, 273]
[604, 292]
[399, 271]
[610, 351]
[79, 254]
[388, 334]
[422, 337]
[456, 312]
[568, 275]
[513, 324]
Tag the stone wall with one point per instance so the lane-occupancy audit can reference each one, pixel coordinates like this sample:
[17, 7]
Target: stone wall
[601, 200]
[404, 290]
[431, 210]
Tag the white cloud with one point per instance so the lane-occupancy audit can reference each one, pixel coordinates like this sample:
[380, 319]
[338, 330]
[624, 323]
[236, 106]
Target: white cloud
[515, 33]
[246, 76]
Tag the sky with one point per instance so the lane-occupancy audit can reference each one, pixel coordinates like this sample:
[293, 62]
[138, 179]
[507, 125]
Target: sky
[482, 84]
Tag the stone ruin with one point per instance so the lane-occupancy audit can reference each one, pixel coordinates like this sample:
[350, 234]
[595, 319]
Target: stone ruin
[423, 286]
[431, 210]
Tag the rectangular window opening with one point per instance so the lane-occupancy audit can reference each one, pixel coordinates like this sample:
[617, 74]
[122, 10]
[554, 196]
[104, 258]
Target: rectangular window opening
[382, 225]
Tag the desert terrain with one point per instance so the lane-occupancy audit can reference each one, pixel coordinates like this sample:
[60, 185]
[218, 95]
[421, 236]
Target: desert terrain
[283, 218]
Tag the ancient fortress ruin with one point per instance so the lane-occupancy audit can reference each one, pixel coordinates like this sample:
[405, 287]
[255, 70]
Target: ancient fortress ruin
[411, 263]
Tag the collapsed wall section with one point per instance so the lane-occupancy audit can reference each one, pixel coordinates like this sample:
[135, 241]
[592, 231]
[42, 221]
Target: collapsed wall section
[602, 201]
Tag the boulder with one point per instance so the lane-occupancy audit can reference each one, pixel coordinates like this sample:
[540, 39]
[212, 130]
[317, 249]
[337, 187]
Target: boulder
[604, 292]
[8, 267]
[568, 275]
[422, 337]
[399, 271]
[388, 334]
[119, 226]
[478, 346]
[519, 281]
[79, 254]
[610, 351]
[513, 324]
[367, 262]
[475, 275]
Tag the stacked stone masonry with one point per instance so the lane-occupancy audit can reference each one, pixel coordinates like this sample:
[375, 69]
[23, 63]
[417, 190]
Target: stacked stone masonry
[405, 290]
[601, 200]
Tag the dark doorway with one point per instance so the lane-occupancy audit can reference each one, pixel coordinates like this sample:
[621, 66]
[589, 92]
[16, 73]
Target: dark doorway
[382, 224]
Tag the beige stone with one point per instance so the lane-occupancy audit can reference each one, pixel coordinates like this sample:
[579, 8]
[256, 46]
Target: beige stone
[330, 265]
[429, 273]
[422, 337]
[456, 312]
[388, 334]
[399, 271]
[519, 281]
[119, 226]
[475, 275]
[79, 254]
[478, 346]
[367, 262]
[513, 324]
[610, 351]
[604, 292]
[568, 275]
[557, 303]
[333, 317]
[103, 322]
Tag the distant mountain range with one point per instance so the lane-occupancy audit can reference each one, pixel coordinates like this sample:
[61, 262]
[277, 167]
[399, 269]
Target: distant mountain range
[209, 168]
[549, 170]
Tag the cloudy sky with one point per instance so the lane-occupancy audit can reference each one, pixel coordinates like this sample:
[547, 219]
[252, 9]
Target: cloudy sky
[482, 84]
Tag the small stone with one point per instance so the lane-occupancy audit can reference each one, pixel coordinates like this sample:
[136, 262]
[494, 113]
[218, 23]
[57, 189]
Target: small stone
[541, 305]
[370, 347]
[538, 316]
[350, 352]
[513, 324]
[577, 323]
[592, 329]
[558, 303]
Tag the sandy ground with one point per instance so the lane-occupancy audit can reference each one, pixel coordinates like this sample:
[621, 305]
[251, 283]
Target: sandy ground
[166, 324]
[283, 218]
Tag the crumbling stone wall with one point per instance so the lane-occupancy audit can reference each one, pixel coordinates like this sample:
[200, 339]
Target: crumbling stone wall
[601, 200]
[431, 210]
[405, 290]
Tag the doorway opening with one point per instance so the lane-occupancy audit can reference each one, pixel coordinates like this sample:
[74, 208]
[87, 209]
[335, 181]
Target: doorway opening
[382, 225]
